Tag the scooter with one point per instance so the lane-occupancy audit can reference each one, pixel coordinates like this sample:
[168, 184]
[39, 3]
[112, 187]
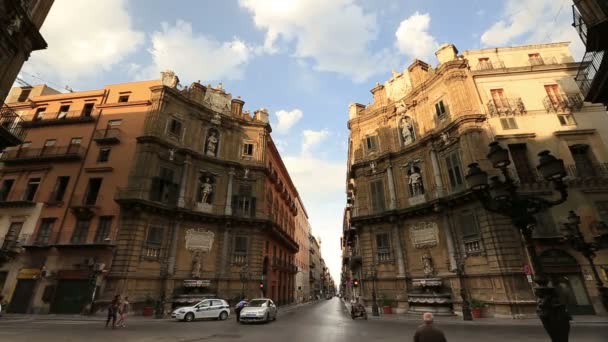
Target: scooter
[358, 310]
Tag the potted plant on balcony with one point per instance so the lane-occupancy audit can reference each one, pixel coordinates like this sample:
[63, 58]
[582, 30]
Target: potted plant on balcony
[148, 307]
[476, 306]
[387, 305]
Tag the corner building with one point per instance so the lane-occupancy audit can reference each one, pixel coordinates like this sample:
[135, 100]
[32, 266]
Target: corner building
[410, 221]
[144, 189]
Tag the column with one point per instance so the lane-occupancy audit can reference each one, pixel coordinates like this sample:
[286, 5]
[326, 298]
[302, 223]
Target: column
[391, 187]
[228, 210]
[181, 201]
[225, 259]
[437, 174]
[398, 251]
[449, 239]
[173, 248]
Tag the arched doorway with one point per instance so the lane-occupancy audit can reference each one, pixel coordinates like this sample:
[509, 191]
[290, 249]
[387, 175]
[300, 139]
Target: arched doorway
[565, 275]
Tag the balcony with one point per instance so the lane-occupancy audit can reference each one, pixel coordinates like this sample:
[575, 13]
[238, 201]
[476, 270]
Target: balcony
[45, 154]
[592, 77]
[489, 65]
[563, 103]
[108, 136]
[239, 259]
[52, 119]
[584, 171]
[12, 132]
[590, 19]
[506, 106]
[160, 191]
[20, 202]
[536, 61]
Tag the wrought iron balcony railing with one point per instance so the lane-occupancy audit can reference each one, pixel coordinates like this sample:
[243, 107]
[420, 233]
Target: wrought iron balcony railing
[107, 136]
[489, 65]
[51, 153]
[61, 118]
[506, 106]
[588, 69]
[579, 24]
[10, 126]
[563, 103]
[591, 170]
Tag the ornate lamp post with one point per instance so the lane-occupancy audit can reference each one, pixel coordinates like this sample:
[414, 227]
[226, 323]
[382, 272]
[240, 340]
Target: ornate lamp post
[572, 234]
[464, 294]
[244, 275]
[501, 197]
[373, 275]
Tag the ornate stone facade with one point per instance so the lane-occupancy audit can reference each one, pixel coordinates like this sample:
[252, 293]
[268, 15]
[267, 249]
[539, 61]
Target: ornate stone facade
[410, 218]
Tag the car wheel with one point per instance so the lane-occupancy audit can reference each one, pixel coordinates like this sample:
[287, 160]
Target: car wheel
[189, 317]
[223, 316]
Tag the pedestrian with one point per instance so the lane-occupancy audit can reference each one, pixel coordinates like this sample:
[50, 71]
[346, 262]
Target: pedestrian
[1, 303]
[112, 311]
[239, 306]
[123, 310]
[427, 332]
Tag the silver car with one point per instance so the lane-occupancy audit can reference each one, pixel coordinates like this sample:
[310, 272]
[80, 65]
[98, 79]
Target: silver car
[259, 310]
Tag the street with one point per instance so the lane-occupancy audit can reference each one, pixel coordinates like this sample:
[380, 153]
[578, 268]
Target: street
[319, 322]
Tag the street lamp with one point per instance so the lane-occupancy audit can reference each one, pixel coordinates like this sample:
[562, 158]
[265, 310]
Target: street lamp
[244, 275]
[373, 275]
[466, 305]
[501, 197]
[572, 233]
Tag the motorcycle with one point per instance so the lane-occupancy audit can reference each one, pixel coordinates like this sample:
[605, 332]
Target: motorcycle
[358, 310]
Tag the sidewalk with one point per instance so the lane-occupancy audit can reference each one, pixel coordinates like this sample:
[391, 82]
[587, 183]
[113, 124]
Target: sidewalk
[576, 320]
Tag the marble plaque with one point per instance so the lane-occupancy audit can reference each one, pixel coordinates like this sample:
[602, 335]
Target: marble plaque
[424, 234]
[199, 240]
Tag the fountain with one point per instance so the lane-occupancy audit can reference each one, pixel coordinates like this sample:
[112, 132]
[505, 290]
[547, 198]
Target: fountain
[428, 293]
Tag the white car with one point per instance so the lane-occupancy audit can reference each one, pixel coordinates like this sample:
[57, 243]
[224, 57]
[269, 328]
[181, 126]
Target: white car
[208, 308]
[259, 310]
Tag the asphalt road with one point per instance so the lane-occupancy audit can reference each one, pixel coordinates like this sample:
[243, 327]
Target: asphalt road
[320, 322]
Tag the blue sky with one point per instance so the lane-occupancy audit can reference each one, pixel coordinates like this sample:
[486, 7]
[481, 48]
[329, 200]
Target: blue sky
[304, 60]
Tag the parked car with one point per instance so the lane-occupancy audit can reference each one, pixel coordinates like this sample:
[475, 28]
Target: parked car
[208, 308]
[259, 310]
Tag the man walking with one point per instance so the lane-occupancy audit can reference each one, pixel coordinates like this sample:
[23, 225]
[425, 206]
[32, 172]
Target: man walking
[123, 309]
[239, 306]
[427, 332]
[112, 311]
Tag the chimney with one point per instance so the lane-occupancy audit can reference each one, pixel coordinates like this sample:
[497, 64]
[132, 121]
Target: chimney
[261, 115]
[419, 72]
[446, 53]
[354, 109]
[237, 107]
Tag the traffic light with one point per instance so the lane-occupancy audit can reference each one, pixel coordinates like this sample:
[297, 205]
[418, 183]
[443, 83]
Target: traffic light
[356, 283]
[261, 286]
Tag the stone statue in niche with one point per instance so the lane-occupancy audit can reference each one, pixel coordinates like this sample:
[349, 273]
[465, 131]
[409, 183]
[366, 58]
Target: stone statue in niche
[196, 265]
[246, 173]
[406, 127]
[427, 265]
[171, 154]
[212, 143]
[206, 191]
[415, 183]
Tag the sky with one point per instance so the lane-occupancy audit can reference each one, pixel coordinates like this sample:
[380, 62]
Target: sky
[304, 60]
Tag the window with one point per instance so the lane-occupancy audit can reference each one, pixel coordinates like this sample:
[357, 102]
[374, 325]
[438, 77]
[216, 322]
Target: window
[30, 191]
[519, 155]
[377, 195]
[508, 123]
[371, 142]
[12, 235]
[104, 155]
[50, 142]
[566, 119]
[92, 191]
[88, 109]
[25, 93]
[26, 144]
[44, 233]
[63, 112]
[154, 242]
[545, 226]
[452, 162]
[5, 190]
[240, 245]
[535, 59]
[243, 204]
[175, 127]
[440, 109]
[39, 113]
[81, 231]
[248, 149]
[583, 160]
[553, 93]
[602, 210]
[115, 122]
[498, 97]
[470, 232]
[60, 187]
[383, 247]
[103, 229]
[163, 187]
[484, 63]
[123, 98]
[74, 145]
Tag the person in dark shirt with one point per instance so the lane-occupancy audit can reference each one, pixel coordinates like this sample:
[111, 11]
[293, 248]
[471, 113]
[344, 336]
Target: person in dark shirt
[113, 311]
[427, 332]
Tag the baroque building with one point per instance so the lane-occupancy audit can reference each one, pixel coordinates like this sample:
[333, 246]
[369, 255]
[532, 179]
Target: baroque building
[412, 226]
[148, 189]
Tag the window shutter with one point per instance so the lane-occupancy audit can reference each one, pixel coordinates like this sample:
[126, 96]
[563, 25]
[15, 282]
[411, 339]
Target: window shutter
[377, 195]
[456, 167]
[468, 224]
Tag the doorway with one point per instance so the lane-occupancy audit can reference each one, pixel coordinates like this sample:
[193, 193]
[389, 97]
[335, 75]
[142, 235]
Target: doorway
[24, 291]
[71, 296]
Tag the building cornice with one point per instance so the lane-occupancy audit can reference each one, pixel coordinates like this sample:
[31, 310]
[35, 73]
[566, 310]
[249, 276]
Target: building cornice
[587, 131]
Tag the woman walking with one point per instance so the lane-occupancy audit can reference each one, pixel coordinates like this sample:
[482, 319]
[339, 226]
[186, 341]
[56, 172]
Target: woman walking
[112, 311]
[123, 309]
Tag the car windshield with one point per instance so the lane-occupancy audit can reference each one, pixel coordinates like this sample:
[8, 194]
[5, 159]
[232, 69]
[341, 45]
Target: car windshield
[257, 303]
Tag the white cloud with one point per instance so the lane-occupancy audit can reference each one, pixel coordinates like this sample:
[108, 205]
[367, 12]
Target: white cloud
[335, 34]
[196, 56]
[535, 21]
[413, 38]
[312, 138]
[85, 38]
[286, 119]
